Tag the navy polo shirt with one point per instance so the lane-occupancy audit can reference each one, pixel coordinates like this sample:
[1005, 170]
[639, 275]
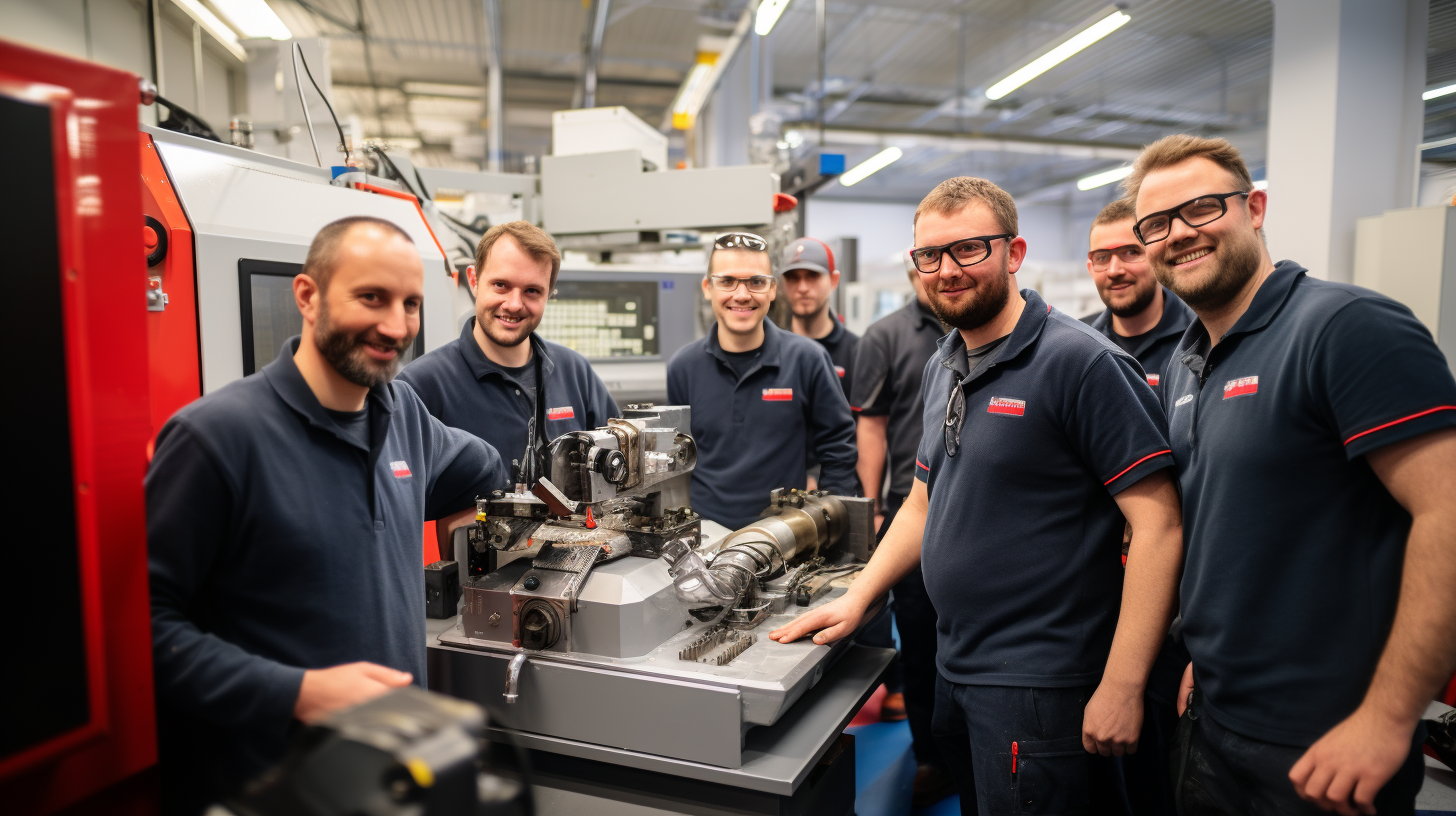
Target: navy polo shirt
[1153, 349]
[888, 366]
[841, 343]
[462, 388]
[277, 544]
[754, 432]
[1022, 550]
[1294, 546]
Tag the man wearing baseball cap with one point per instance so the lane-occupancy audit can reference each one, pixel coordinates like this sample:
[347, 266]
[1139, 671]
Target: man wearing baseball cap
[810, 277]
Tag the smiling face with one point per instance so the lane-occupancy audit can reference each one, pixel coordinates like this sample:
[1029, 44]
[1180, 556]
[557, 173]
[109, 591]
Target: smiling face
[1206, 266]
[511, 293]
[1125, 282]
[740, 311]
[968, 298]
[369, 314]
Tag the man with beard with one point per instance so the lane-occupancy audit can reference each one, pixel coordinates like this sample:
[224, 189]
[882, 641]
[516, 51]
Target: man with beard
[1147, 321]
[1312, 423]
[499, 380]
[283, 524]
[809, 279]
[763, 400]
[1142, 318]
[1041, 436]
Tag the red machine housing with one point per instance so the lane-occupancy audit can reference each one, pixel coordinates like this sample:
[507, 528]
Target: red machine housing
[89, 287]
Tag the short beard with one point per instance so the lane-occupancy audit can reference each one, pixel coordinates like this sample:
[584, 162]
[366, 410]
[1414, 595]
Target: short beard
[487, 325]
[1240, 262]
[812, 313]
[345, 352]
[988, 299]
[1141, 300]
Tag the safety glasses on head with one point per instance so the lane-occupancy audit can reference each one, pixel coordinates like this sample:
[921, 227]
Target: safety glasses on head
[741, 240]
[965, 252]
[1195, 212]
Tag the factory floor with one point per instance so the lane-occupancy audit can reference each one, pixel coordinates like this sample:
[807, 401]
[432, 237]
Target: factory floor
[885, 770]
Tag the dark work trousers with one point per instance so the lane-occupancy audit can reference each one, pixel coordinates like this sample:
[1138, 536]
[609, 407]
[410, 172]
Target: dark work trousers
[1220, 773]
[1148, 773]
[1050, 773]
[915, 619]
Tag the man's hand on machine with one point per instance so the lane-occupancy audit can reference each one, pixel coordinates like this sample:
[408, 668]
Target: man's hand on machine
[836, 619]
[325, 691]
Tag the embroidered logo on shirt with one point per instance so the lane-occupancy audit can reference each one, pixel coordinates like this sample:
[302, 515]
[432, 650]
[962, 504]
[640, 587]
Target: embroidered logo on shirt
[839, 370]
[1153, 379]
[561, 413]
[1240, 387]
[401, 470]
[1183, 400]
[778, 394]
[1010, 407]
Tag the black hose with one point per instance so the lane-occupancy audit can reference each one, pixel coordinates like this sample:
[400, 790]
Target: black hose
[342, 142]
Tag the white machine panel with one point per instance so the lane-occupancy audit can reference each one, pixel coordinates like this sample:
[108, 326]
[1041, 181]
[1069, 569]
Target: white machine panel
[247, 205]
[608, 192]
[596, 130]
[1410, 255]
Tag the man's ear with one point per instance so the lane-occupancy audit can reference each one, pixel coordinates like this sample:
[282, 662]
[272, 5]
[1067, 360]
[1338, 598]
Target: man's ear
[470, 278]
[306, 296]
[833, 279]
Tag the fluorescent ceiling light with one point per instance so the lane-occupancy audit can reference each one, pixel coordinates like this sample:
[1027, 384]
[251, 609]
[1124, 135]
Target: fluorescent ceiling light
[443, 89]
[1104, 178]
[1054, 57]
[873, 164]
[217, 28]
[769, 12]
[691, 95]
[254, 18]
[1435, 92]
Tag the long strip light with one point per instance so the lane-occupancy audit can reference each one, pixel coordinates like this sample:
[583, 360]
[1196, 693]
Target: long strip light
[768, 14]
[1435, 92]
[870, 166]
[443, 89]
[254, 18]
[1056, 56]
[219, 30]
[692, 94]
[1104, 178]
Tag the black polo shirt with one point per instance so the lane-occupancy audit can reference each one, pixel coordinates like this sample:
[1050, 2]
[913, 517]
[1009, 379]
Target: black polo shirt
[841, 343]
[1022, 550]
[462, 388]
[754, 432]
[1154, 348]
[278, 544]
[888, 365]
[1294, 546]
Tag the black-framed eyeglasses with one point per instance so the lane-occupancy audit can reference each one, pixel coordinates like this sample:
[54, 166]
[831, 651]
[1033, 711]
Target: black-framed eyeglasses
[757, 284]
[955, 418]
[965, 252]
[1196, 212]
[741, 240]
[1127, 253]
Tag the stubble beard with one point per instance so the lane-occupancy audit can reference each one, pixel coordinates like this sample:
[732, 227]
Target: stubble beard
[487, 323]
[345, 352]
[1220, 285]
[988, 299]
[1142, 299]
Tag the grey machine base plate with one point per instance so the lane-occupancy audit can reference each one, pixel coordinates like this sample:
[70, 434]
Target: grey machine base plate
[774, 758]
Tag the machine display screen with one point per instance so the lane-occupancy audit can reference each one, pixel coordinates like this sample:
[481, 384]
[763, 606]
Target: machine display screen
[269, 314]
[604, 319]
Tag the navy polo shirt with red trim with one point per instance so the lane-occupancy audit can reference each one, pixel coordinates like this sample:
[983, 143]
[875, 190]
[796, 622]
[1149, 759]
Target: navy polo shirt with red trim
[1153, 349]
[757, 429]
[1294, 546]
[1022, 550]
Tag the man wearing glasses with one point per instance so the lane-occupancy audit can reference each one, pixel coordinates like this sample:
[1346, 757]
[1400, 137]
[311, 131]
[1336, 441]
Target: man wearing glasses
[499, 380]
[764, 400]
[1040, 438]
[1142, 318]
[1312, 423]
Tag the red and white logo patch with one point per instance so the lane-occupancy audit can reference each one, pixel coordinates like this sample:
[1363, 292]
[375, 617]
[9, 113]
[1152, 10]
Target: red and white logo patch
[1153, 379]
[1003, 405]
[561, 413]
[778, 394]
[400, 469]
[1240, 387]
[839, 370]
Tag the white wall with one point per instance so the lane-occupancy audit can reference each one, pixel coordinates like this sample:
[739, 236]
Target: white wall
[114, 33]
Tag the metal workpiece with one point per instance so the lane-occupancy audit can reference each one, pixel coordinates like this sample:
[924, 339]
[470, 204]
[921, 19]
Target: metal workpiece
[513, 678]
